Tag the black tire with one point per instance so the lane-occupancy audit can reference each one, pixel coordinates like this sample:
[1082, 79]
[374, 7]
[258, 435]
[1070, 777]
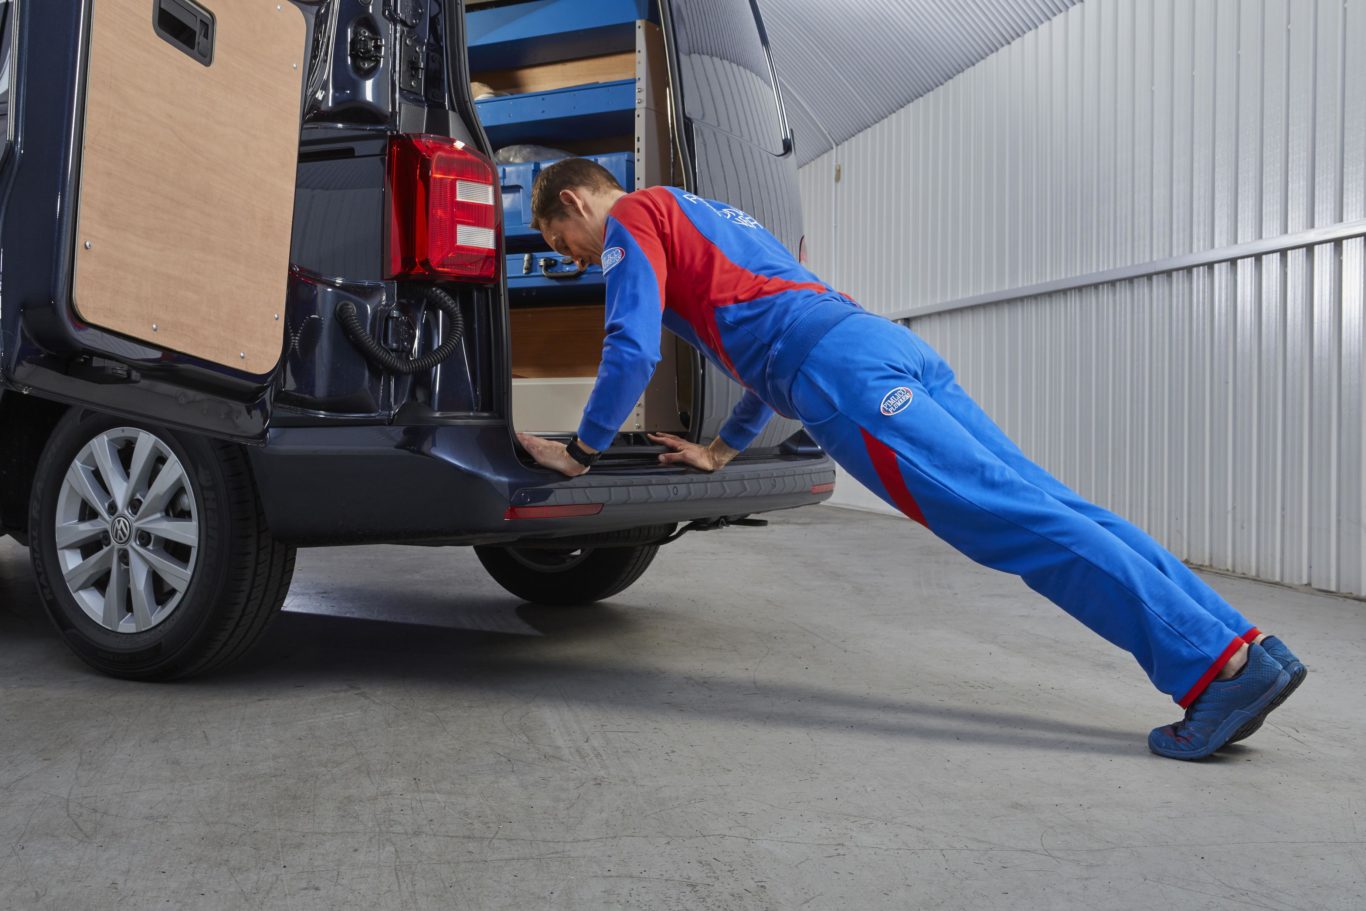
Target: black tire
[240, 574]
[565, 577]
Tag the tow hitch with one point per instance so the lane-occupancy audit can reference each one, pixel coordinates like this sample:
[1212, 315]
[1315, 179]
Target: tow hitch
[715, 525]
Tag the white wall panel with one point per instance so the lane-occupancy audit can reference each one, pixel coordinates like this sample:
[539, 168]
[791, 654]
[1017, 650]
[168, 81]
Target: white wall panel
[1027, 218]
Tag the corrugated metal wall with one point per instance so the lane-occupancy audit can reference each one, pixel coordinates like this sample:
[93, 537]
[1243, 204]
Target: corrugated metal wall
[1137, 233]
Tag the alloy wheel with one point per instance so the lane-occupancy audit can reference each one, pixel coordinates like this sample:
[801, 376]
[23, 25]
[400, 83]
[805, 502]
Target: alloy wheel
[127, 530]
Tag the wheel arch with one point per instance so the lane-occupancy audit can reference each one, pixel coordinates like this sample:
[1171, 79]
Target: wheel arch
[26, 424]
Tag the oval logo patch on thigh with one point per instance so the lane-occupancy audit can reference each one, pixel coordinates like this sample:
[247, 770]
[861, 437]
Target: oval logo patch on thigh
[896, 401]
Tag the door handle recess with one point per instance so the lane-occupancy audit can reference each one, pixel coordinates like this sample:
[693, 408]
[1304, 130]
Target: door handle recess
[186, 26]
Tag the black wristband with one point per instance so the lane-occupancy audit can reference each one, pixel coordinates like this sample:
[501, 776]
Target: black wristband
[581, 455]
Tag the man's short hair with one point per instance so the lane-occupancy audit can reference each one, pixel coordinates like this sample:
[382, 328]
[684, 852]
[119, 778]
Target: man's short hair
[568, 174]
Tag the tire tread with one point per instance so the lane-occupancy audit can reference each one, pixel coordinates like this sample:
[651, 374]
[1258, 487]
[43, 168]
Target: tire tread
[260, 587]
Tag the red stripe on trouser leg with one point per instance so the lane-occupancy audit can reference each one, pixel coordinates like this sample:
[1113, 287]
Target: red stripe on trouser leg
[889, 473]
[1194, 692]
[1251, 635]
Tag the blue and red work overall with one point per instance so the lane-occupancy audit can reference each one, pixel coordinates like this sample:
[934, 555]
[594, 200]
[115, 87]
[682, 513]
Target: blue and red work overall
[887, 408]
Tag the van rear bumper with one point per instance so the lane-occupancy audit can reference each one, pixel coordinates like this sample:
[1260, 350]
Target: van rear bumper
[464, 484]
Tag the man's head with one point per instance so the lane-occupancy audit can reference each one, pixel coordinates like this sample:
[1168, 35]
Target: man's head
[569, 205]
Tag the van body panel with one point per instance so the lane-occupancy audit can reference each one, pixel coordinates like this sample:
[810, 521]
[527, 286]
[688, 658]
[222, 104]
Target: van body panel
[353, 454]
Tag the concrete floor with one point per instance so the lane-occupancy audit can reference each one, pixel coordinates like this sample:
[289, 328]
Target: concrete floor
[836, 712]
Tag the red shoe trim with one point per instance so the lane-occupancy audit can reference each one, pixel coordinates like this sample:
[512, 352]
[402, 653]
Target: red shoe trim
[1214, 668]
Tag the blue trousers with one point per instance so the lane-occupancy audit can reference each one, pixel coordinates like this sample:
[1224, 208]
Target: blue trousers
[887, 407]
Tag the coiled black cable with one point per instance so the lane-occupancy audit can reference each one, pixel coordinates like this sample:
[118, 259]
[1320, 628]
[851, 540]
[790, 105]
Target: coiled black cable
[385, 359]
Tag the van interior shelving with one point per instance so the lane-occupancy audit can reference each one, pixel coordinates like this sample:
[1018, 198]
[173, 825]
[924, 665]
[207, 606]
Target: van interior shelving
[557, 77]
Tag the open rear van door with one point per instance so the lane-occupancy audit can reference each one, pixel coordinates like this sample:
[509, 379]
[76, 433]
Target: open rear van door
[737, 143]
[147, 201]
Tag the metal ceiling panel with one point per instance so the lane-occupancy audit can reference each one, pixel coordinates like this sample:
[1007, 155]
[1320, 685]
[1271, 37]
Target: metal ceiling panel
[844, 66]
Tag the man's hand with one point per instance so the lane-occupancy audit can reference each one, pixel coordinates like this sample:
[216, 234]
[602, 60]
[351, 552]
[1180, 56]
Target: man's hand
[551, 454]
[707, 458]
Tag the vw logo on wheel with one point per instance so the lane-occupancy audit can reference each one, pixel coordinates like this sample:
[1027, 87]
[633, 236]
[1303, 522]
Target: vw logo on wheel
[121, 530]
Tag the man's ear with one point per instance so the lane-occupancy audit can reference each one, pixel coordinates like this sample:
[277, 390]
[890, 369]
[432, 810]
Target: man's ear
[574, 202]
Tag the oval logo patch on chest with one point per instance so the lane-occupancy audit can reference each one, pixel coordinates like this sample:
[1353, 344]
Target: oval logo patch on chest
[896, 401]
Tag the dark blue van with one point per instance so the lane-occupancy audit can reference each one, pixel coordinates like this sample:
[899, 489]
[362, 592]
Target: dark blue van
[267, 282]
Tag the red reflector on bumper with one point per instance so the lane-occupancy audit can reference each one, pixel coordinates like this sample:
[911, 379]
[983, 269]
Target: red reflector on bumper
[823, 488]
[551, 512]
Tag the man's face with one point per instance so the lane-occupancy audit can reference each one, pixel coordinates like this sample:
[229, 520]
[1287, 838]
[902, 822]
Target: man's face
[578, 233]
[572, 236]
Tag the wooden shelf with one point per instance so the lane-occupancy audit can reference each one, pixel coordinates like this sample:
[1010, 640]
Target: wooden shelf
[546, 77]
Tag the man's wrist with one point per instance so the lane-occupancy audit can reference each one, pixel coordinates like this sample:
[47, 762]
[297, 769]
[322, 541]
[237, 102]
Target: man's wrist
[721, 452]
[580, 452]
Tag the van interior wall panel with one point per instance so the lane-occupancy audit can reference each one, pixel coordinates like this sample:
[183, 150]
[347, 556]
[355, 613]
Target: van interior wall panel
[1216, 400]
[557, 340]
[174, 149]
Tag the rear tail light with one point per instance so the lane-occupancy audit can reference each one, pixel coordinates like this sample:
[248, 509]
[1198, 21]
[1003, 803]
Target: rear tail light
[445, 210]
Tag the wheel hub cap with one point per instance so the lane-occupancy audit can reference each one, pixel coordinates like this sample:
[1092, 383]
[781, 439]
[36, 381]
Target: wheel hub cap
[127, 530]
[121, 530]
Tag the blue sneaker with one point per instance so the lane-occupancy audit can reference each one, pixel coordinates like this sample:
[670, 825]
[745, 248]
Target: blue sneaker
[1292, 666]
[1225, 707]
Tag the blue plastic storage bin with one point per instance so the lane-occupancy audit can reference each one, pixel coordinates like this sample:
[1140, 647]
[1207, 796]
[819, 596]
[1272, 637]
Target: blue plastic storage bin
[545, 31]
[545, 276]
[559, 115]
[517, 180]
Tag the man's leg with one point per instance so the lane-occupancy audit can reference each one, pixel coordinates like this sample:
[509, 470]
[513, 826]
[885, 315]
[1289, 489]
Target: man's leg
[943, 386]
[926, 464]
[939, 379]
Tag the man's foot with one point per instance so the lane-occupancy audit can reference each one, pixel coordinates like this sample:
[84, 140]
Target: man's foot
[1292, 666]
[1225, 707]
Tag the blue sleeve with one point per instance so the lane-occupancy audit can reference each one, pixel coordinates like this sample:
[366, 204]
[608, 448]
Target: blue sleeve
[746, 422]
[630, 351]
